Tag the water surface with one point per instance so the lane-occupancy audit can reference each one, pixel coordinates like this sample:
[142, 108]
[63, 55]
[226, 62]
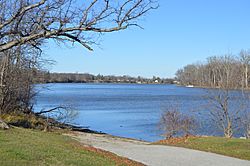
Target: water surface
[127, 110]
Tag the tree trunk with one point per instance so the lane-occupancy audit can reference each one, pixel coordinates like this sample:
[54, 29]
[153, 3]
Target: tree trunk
[228, 132]
[246, 77]
[248, 131]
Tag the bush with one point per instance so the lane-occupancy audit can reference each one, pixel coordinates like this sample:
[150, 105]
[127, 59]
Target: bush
[175, 123]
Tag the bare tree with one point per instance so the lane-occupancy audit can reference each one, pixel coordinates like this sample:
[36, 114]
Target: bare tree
[245, 60]
[171, 123]
[16, 83]
[174, 123]
[31, 22]
[188, 125]
[227, 76]
[223, 99]
[26, 25]
[246, 124]
[214, 73]
[223, 110]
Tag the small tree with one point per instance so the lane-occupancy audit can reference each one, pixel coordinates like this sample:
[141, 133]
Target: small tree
[175, 123]
[245, 62]
[246, 125]
[188, 125]
[223, 100]
[171, 123]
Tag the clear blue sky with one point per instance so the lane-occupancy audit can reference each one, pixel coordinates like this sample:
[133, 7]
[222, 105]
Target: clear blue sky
[178, 33]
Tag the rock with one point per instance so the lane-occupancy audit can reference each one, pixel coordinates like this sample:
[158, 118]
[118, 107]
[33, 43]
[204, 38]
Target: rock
[3, 125]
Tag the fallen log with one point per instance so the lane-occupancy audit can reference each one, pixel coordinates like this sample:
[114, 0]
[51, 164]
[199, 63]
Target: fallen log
[3, 125]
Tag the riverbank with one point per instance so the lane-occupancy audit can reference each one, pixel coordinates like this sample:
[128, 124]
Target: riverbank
[19, 146]
[63, 147]
[149, 154]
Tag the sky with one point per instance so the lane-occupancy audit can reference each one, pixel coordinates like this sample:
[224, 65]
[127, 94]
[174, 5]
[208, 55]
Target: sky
[178, 33]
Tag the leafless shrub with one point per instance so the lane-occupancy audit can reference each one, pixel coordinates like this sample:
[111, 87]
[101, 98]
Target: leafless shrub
[246, 125]
[188, 125]
[174, 123]
[170, 122]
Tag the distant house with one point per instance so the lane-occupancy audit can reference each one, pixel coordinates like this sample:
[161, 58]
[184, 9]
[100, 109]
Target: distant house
[156, 81]
[176, 82]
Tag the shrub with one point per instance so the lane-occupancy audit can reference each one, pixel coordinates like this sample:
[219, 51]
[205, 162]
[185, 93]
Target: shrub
[175, 123]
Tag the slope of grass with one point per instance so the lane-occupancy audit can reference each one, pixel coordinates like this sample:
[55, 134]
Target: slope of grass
[234, 147]
[20, 146]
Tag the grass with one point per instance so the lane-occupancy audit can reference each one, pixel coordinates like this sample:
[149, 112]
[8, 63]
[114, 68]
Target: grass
[238, 148]
[20, 146]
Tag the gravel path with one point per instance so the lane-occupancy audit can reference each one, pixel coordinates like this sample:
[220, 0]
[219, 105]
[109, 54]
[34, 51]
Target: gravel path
[156, 155]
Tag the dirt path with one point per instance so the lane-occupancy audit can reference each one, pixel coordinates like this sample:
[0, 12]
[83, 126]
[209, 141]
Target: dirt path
[156, 155]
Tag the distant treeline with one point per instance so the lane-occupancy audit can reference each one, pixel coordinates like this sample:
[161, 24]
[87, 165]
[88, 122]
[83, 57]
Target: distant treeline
[227, 71]
[47, 77]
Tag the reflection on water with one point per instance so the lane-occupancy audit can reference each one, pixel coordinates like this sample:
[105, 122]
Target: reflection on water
[127, 110]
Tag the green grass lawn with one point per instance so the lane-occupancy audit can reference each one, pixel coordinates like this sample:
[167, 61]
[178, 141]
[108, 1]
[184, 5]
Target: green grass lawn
[20, 146]
[234, 147]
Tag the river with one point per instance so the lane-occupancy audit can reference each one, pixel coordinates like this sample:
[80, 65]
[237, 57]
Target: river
[127, 110]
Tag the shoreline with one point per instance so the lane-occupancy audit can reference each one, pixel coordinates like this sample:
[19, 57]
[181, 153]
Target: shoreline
[121, 83]
[81, 129]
